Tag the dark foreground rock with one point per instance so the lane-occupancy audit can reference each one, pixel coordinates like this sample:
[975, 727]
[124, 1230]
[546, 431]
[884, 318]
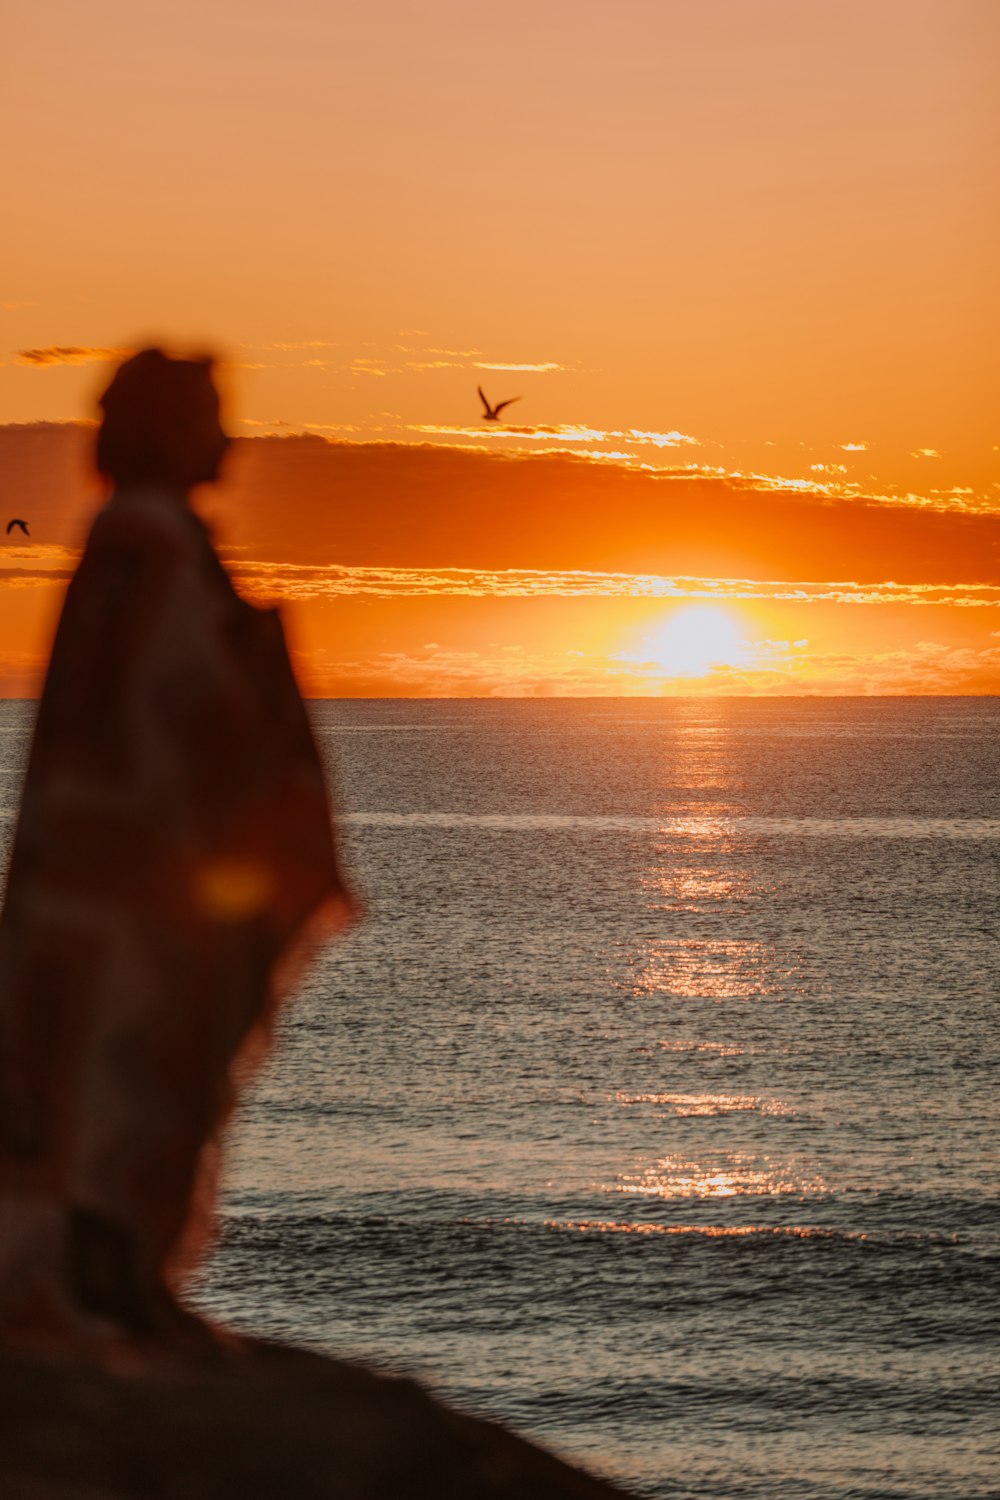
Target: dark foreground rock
[264, 1421]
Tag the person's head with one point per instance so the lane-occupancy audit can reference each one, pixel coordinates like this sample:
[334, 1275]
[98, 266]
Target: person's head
[161, 423]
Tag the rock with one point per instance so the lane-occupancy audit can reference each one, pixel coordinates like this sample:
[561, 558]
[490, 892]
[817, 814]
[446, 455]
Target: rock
[260, 1422]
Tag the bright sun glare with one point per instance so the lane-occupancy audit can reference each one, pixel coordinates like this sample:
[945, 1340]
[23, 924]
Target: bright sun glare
[691, 641]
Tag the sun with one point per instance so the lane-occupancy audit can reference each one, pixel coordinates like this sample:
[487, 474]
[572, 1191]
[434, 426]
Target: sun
[691, 641]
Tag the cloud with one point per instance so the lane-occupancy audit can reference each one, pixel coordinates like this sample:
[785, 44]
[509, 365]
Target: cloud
[658, 439]
[385, 545]
[826, 479]
[925, 453]
[27, 578]
[566, 432]
[543, 367]
[304, 581]
[506, 431]
[772, 668]
[384, 361]
[497, 672]
[433, 364]
[69, 354]
[303, 499]
[462, 355]
[301, 344]
[306, 499]
[30, 564]
[278, 424]
[854, 447]
[931, 667]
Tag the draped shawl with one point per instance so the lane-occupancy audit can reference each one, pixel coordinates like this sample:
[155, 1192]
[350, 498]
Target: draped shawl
[174, 849]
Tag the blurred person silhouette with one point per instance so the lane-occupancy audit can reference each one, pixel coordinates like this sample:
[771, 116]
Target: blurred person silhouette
[174, 860]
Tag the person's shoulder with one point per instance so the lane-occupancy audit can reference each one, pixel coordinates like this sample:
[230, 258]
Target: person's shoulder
[145, 522]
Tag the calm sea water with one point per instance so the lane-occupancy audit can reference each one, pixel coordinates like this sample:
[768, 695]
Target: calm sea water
[653, 1109]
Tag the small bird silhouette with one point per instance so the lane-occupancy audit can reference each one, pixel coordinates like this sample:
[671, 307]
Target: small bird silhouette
[23, 525]
[492, 413]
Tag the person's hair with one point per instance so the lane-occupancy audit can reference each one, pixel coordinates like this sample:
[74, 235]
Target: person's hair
[160, 422]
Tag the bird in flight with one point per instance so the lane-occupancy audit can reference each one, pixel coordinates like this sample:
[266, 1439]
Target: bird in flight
[492, 413]
[23, 525]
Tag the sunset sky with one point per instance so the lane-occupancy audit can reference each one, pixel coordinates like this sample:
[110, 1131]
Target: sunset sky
[738, 259]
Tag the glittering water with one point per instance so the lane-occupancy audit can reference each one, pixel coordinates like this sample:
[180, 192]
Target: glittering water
[653, 1109]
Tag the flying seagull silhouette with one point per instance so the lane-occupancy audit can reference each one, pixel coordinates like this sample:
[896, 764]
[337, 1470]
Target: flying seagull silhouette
[492, 413]
[23, 525]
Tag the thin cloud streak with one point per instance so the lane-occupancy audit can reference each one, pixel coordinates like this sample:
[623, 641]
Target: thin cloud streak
[567, 432]
[385, 359]
[301, 344]
[543, 367]
[30, 578]
[44, 565]
[37, 564]
[280, 428]
[957, 499]
[304, 581]
[68, 354]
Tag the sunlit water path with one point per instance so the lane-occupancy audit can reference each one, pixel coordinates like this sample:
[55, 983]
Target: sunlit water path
[653, 1108]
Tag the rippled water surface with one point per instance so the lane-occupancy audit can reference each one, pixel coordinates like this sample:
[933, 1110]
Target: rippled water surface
[653, 1108]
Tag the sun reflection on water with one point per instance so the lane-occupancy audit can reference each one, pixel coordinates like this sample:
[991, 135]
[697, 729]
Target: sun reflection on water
[700, 822]
[706, 897]
[736, 1175]
[696, 888]
[705, 1231]
[720, 1049]
[710, 969]
[709, 1104]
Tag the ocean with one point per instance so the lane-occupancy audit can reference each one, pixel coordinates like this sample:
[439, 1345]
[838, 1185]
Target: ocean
[652, 1109]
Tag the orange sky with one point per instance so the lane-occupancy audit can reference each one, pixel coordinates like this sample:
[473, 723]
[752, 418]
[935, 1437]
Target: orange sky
[737, 257]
